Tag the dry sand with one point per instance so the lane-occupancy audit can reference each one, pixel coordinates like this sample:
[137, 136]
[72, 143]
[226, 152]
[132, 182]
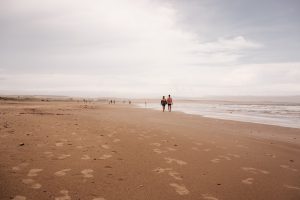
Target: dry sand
[68, 151]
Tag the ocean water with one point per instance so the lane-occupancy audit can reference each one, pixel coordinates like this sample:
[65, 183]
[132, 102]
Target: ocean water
[287, 115]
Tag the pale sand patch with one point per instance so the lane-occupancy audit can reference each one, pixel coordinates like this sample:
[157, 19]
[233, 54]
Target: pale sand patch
[19, 197]
[206, 150]
[49, 154]
[34, 172]
[156, 144]
[289, 168]
[180, 189]
[85, 157]
[209, 197]
[158, 151]
[99, 198]
[62, 172]
[65, 196]
[171, 149]
[254, 170]
[28, 181]
[105, 146]
[161, 170]
[63, 156]
[224, 157]
[105, 156]
[116, 140]
[20, 166]
[171, 160]
[175, 175]
[216, 160]
[87, 173]
[291, 187]
[248, 181]
[234, 155]
[59, 144]
[271, 155]
[36, 186]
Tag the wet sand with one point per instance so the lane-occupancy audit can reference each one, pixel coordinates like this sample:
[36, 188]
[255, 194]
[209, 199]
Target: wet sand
[67, 150]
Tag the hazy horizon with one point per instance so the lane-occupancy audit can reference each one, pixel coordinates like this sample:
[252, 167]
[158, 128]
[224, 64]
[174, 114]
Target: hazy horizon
[150, 48]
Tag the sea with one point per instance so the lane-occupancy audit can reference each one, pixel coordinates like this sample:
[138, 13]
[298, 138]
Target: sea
[279, 114]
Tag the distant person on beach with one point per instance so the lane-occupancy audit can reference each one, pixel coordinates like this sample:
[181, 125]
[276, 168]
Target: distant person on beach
[170, 102]
[163, 102]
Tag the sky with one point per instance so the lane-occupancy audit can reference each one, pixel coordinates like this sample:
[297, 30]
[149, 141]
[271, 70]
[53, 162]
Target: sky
[150, 48]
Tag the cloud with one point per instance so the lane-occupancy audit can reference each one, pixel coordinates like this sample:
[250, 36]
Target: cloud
[126, 47]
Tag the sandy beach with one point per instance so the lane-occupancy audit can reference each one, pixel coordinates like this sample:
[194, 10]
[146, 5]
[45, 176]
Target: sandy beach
[97, 151]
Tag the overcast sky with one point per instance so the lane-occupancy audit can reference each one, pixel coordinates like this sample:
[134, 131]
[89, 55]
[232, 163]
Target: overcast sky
[150, 48]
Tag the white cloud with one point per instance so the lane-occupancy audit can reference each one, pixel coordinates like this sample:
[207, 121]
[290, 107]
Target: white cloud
[127, 47]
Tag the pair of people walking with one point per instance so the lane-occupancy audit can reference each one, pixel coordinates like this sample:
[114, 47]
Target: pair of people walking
[165, 101]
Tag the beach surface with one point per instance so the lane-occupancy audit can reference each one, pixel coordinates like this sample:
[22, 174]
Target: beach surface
[97, 151]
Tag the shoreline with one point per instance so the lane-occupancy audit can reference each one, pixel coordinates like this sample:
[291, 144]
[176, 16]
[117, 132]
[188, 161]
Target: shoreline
[235, 117]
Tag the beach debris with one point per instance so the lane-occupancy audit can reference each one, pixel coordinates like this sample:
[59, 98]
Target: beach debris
[22, 144]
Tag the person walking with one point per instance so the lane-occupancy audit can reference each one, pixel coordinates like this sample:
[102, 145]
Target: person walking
[163, 102]
[170, 103]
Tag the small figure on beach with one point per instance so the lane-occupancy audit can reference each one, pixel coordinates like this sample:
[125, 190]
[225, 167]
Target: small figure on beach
[163, 102]
[170, 103]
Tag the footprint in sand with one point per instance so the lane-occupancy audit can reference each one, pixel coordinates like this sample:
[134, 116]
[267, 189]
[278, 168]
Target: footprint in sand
[116, 140]
[156, 144]
[34, 172]
[161, 170]
[208, 197]
[171, 149]
[242, 146]
[49, 154]
[180, 189]
[288, 168]
[105, 146]
[198, 143]
[254, 170]
[87, 173]
[206, 150]
[19, 197]
[32, 183]
[62, 172]
[105, 156]
[65, 196]
[85, 157]
[59, 144]
[248, 181]
[158, 151]
[234, 155]
[171, 173]
[63, 156]
[291, 187]
[271, 155]
[20, 166]
[216, 160]
[175, 175]
[225, 157]
[171, 160]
